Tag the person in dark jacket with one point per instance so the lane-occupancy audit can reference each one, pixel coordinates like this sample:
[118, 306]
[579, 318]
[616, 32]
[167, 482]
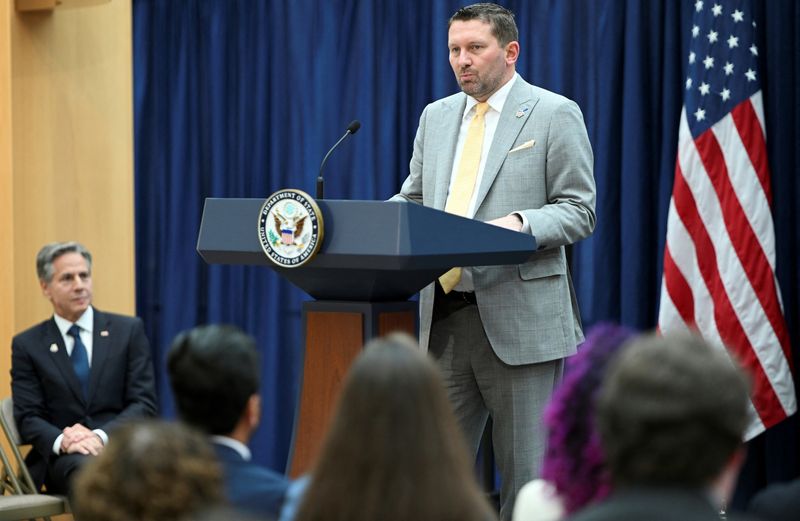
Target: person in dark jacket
[214, 374]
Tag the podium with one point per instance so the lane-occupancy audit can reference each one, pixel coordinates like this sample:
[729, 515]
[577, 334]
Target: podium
[374, 256]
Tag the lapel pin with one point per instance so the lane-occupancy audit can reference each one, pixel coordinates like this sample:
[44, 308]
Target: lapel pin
[521, 112]
[53, 348]
[104, 333]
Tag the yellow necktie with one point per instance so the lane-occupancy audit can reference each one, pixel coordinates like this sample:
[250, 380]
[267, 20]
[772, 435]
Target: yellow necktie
[464, 185]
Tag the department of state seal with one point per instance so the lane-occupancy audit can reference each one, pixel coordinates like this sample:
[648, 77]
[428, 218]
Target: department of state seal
[290, 228]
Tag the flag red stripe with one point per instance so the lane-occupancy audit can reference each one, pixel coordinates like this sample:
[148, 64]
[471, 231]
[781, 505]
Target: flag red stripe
[749, 127]
[743, 238]
[679, 290]
[765, 400]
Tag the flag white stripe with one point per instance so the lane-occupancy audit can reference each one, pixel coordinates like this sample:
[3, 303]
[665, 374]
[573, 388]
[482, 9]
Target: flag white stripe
[746, 185]
[757, 100]
[685, 257]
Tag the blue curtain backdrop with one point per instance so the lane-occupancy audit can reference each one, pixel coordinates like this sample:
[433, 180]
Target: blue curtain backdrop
[238, 98]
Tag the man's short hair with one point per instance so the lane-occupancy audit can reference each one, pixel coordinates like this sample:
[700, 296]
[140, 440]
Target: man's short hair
[50, 252]
[671, 412]
[499, 18]
[213, 371]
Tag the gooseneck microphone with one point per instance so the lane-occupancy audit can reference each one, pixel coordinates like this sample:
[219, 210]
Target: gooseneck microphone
[352, 128]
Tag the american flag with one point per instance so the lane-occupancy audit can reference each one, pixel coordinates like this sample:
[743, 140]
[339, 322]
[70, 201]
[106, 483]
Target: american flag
[719, 257]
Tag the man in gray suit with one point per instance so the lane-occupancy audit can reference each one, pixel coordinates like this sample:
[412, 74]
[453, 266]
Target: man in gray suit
[516, 156]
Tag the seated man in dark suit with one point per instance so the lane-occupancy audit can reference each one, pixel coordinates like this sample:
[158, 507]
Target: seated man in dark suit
[671, 415]
[78, 374]
[214, 373]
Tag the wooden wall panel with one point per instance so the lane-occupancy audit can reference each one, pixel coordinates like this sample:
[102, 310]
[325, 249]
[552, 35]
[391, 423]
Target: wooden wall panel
[71, 151]
[7, 323]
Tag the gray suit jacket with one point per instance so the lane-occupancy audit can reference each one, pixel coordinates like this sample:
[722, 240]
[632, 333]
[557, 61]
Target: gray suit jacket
[529, 310]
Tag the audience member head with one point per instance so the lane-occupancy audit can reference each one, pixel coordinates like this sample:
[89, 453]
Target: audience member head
[672, 412]
[150, 471]
[214, 374]
[394, 450]
[574, 461]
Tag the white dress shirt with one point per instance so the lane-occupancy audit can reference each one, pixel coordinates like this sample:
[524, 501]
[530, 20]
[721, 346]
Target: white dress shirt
[496, 103]
[86, 323]
[236, 445]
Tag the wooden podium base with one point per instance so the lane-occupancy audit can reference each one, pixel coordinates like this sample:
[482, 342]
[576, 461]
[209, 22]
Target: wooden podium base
[335, 332]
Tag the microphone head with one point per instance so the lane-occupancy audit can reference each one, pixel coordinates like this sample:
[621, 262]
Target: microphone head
[354, 126]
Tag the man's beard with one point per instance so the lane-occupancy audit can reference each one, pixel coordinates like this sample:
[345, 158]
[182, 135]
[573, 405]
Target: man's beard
[478, 86]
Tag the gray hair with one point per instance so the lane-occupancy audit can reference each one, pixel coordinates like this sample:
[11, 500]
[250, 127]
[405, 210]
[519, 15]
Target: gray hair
[50, 252]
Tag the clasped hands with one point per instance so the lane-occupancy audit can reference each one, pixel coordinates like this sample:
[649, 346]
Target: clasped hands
[78, 439]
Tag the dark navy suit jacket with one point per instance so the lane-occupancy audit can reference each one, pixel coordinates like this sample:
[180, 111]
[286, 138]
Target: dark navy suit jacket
[250, 487]
[47, 394]
[778, 502]
[655, 504]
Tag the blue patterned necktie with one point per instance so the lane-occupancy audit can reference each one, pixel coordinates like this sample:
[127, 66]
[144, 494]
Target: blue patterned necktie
[80, 359]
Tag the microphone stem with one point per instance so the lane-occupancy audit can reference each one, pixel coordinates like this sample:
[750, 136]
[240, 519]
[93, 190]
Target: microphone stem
[320, 187]
[325, 159]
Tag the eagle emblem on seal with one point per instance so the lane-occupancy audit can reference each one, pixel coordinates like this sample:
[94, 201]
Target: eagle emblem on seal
[289, 228]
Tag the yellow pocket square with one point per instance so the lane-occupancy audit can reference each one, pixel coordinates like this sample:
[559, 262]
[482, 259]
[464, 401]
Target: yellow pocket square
[527, 144]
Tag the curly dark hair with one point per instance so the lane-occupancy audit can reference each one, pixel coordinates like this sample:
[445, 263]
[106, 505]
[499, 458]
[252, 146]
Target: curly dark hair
[150, 471]
[574, 460]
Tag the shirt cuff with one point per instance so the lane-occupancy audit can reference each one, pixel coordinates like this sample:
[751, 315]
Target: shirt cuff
[102, 434]
[57, 444]
[526, 226]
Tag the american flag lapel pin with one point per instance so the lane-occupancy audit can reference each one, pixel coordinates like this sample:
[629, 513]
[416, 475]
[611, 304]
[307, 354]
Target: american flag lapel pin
[104, 333]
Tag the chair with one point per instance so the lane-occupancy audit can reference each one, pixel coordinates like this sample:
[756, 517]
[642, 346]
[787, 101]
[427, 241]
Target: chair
[24, 501]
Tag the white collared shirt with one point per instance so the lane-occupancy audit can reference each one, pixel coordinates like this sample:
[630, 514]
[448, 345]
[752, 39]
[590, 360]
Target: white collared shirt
[236, 445]
[496, 103]
[86, 323]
